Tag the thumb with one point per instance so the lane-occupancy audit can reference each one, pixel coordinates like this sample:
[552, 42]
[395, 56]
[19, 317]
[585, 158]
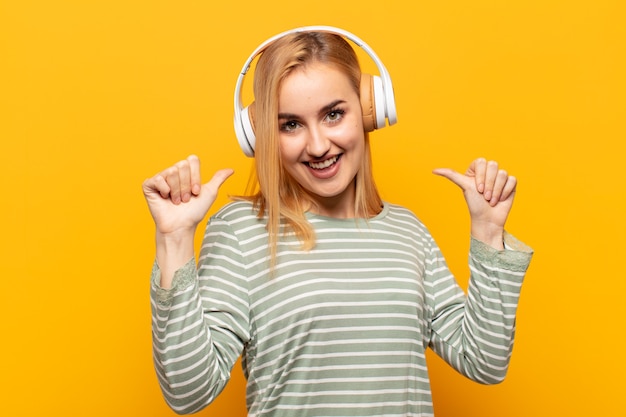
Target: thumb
[220, 176]
[216, 182]
[454, 176]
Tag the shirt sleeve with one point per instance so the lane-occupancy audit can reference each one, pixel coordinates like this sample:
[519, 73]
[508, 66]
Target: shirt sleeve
[201, 324]
[474, 332]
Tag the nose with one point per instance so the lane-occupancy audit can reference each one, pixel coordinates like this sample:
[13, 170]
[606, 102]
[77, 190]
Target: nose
[318, 143]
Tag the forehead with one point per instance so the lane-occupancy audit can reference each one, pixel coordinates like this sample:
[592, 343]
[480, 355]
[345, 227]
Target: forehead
[315, 84]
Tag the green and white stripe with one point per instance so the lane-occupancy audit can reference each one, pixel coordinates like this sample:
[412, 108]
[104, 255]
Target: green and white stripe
[340, 330]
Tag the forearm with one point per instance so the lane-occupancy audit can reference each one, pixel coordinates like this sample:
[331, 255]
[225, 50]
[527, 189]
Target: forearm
[489, 324]
[188, 364]
[476, 336]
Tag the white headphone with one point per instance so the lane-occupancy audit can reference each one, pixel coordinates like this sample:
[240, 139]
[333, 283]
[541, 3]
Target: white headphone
[377, 97]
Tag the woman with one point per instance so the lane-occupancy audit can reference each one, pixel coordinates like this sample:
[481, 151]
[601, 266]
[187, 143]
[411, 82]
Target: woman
[330, 295]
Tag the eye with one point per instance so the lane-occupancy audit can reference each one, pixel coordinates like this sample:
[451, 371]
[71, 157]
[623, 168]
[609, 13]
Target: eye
[334, 115]
[289, 126]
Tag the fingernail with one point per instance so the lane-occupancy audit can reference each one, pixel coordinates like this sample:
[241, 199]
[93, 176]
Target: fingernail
[488, 195]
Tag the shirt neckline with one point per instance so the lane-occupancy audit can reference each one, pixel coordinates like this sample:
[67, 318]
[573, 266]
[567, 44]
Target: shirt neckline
[318, 217]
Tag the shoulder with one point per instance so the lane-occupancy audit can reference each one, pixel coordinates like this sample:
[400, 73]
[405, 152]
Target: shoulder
[238, 214]
[236, 210]
[401, 214]
[403, 220]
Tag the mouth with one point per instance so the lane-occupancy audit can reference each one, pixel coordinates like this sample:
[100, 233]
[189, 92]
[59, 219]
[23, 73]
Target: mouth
[321, 165]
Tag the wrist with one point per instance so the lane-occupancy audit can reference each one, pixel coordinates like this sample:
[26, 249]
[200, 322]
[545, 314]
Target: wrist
[489, 234]
[173, 250]
[176, 236]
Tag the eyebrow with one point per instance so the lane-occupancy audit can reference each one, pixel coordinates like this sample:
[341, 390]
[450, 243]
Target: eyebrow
[323, 110]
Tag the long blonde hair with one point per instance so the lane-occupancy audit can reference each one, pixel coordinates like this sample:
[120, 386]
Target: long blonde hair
[274, 192]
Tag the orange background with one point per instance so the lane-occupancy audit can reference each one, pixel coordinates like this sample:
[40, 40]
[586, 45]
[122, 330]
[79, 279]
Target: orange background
[97, 95]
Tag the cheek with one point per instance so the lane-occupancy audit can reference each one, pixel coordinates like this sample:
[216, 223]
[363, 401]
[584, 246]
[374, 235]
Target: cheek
[349, 136]
[289, 150]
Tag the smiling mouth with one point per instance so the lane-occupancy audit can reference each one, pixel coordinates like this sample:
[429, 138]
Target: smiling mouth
[324, 164]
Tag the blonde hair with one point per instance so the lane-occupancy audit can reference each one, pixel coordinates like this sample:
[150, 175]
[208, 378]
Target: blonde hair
[275, 193]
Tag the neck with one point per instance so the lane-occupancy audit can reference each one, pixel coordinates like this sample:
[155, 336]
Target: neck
[334, 212]
[339, 207]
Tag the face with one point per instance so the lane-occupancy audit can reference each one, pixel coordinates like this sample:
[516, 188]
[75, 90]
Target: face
[322, 142]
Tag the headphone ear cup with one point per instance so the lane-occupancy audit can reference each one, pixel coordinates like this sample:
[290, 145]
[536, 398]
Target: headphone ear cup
[380, 103]
[372, 102]
[245, 131]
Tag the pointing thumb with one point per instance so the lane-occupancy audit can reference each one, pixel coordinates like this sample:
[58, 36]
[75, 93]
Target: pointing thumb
[216, 182]
[220, 176]
[456, 177]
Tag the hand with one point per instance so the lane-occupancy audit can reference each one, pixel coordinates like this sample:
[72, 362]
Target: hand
[177, 199]
[489, 193]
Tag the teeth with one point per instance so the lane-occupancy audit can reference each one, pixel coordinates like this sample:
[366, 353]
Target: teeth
[323, 164]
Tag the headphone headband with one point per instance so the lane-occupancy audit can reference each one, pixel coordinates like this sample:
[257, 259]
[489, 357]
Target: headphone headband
[243, 125]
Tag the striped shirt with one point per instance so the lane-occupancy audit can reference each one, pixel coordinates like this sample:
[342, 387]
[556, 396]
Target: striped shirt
[340, 330]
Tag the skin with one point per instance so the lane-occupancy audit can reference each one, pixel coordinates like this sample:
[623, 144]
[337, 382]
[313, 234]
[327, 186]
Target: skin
[320, 119]
[489, 192]
[322, 141]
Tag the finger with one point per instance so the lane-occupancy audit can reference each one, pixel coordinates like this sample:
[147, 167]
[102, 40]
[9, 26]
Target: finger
[498, 186]
[172, 178]
[456, 177]
[491, 173]
[162, 186]
[184, 178]
[156, 184]
[509, 188]
[194, 169]
[477, 169]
